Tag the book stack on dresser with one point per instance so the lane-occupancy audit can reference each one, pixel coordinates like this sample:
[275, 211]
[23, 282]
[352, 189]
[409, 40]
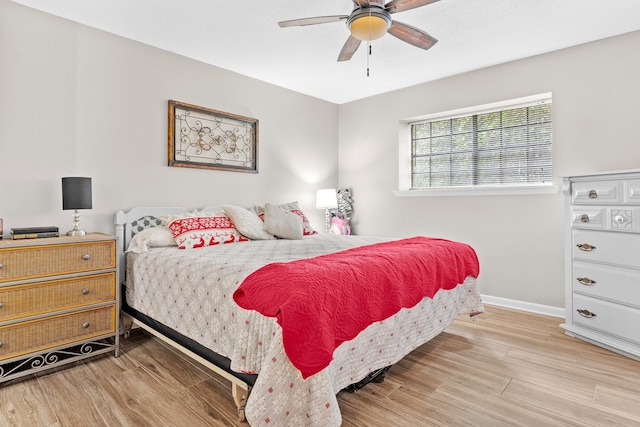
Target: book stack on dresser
[35, 232]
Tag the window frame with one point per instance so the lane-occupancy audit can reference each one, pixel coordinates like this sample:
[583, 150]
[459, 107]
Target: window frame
[405, 154]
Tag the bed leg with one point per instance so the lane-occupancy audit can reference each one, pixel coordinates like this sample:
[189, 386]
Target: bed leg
[240, 396]
[127, 324]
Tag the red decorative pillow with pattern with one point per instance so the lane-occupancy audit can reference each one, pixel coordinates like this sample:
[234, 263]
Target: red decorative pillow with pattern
[291, 207]
[192, 231]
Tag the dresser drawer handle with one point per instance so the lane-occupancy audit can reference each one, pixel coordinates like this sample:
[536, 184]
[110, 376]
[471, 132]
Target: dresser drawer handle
[585, 247]
[85, 325]
[85, 291]
[584, 218]
[86, 257]
[585, 281]
[1, 266]
[593, 194]
[586, 313]
[1, 305]
[1, 343]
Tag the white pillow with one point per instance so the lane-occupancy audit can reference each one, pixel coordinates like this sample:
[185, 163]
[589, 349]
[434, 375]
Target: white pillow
[151, 237]
[247, 222]
[282, 223]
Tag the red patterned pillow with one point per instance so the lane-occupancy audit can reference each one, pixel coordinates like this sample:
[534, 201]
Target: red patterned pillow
[291, 207]
[203, 229]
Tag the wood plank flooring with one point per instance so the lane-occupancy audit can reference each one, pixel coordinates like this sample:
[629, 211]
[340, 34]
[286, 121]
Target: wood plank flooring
[508, 368]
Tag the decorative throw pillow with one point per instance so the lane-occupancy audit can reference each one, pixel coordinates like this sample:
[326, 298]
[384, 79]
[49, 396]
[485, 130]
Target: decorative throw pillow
[291, 207]
[247, 222]
[282, 223]
[149, 238]
[202, 229]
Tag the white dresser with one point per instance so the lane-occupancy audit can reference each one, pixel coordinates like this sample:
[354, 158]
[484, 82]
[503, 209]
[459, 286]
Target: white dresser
[602, 249]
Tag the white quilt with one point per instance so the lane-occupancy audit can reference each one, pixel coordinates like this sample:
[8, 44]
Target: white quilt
[191, 292]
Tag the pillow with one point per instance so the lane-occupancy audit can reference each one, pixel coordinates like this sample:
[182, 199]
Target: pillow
[247, 222]
[282, 223]
[291, 207]
[202, 229]
[151, 237]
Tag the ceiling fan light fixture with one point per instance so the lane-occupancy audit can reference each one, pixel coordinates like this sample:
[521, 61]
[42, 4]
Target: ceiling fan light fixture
[369, 24]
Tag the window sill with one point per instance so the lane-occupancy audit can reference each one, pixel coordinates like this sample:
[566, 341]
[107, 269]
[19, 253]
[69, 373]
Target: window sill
[507, 190]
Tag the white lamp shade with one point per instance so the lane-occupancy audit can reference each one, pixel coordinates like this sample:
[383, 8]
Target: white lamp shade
[327, 199]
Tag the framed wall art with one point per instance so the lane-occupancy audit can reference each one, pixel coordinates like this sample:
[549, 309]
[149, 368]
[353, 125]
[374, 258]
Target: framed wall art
[200, 137]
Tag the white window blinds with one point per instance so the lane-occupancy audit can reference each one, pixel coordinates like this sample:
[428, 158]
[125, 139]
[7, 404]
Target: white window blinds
[507, 146]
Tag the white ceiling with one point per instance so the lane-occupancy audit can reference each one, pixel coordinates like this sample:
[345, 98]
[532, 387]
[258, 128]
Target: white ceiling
[243, 36]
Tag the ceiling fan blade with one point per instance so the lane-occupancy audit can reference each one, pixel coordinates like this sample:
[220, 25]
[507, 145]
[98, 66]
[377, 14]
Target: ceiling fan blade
[412, 35]
[395, 6]
[349, 49]
[312, 21]
[359, 3]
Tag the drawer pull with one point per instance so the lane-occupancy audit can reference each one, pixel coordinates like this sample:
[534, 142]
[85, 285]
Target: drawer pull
[585, 247]
[1, 266]
[586, 313]
[1, 305]
[593, 194]
[85, 291]
[85, 325]
[0, 343]
[86, 257]
[584, 218]
[585, 281]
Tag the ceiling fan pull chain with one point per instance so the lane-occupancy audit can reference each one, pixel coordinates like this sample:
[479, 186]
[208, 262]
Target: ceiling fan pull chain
[368, 55]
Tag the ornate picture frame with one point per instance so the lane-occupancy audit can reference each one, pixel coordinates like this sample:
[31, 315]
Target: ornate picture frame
[204, 138]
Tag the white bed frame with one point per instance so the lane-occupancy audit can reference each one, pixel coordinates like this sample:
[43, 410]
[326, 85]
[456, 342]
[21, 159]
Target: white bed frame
[239, 389]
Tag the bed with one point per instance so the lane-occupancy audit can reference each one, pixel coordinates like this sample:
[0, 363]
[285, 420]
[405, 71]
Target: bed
[188, 297]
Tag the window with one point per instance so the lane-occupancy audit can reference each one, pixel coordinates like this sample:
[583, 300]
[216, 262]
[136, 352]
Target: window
[509, 144]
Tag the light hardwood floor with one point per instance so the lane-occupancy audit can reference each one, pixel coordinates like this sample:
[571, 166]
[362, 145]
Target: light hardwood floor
[508, 368]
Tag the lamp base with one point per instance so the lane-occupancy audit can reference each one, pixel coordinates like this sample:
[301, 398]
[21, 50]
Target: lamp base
[75, 231]
[327, 221]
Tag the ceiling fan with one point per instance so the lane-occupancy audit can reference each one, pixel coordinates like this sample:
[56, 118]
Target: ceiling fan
[370, 20]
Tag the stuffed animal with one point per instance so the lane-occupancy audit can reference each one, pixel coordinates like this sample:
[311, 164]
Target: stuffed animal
[340, 226]
[344, 203]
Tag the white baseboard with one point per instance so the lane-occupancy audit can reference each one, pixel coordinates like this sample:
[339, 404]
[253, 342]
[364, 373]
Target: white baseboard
[524, 306]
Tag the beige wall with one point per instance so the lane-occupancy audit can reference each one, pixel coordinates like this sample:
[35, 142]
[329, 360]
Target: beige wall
[519, 239]
[78, 101]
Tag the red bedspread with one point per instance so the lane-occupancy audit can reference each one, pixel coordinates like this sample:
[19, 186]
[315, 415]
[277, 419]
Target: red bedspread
[323, 301]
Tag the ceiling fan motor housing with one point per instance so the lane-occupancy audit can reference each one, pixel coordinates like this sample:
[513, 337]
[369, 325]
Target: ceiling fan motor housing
[369, 23]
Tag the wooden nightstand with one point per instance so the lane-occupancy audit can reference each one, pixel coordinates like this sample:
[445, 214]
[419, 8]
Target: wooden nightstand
[58, 302]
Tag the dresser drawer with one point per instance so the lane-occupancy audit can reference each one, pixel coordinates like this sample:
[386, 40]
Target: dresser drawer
[621, 249]
[607, 282]
[47, 260]
[607, 317]
[597, 193]
[631, 188]
[55, 295]
[589, 218]
[41, 334]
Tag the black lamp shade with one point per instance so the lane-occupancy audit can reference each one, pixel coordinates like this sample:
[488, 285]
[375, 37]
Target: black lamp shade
[76, 193]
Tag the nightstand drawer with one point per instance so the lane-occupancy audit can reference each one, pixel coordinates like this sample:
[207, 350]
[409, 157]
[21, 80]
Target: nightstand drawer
[49, 260]
[41, 334]
[55, 295]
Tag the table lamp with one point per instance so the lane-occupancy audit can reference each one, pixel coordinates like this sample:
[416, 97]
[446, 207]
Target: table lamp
[327, 199]
[76, 194]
